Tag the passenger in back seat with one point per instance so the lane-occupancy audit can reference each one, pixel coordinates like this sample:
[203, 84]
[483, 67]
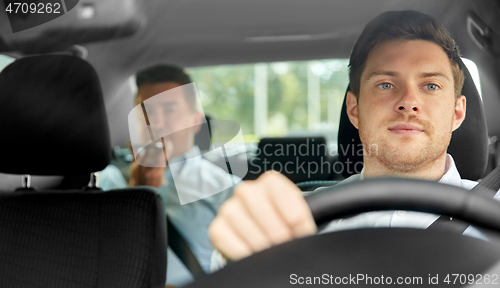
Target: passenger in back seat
[175, 114]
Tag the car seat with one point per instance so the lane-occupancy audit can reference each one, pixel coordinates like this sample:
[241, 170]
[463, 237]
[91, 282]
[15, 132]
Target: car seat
[298, 158]
[203, 139]
[53, 122]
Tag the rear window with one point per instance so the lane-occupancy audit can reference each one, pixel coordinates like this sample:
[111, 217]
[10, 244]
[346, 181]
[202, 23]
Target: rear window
[298, 98]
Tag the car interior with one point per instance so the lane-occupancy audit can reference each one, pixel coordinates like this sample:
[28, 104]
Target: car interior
[73, 236]
[278, 69]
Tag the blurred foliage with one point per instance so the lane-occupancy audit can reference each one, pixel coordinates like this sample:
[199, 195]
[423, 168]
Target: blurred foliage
[227, 92]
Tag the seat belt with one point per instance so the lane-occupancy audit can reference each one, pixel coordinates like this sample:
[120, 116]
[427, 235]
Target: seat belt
[487, 187]
[180, 247]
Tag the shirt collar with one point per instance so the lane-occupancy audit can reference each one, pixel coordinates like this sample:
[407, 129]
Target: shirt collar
[184, 158]
[195, 151]
[450, 177]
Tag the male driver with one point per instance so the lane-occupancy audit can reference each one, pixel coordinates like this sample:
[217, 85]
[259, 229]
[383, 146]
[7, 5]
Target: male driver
[405, 101]
[172, 111]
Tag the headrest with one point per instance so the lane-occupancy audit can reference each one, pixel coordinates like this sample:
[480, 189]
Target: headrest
[468, 146]
[298, 158]
[203, 139]
[52, 117]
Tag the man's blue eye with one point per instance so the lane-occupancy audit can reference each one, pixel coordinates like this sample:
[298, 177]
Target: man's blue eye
[432, 87]
[385, 86]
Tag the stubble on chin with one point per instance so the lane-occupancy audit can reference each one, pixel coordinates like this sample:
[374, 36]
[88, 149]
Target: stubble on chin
[402, 157]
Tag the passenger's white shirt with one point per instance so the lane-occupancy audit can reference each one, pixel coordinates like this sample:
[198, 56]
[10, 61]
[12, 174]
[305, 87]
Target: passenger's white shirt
[193, 176]
[399, 218]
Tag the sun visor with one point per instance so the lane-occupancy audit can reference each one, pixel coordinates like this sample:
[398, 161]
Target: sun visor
[40, 26]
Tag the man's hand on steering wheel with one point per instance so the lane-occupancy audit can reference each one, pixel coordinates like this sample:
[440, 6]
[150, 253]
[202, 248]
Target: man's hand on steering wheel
[260, 214]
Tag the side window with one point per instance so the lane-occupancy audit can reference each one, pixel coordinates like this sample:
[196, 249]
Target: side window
[5, 61]
[474, 73]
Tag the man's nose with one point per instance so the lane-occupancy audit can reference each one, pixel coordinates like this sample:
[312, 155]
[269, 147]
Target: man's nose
[408, 101]
[157, 119]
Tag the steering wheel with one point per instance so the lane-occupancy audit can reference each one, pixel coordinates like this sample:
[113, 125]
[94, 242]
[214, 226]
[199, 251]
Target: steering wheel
[378, 256]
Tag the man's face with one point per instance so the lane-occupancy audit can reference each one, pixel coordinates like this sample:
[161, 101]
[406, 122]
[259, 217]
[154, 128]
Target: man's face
[406, 110]
[170, 115]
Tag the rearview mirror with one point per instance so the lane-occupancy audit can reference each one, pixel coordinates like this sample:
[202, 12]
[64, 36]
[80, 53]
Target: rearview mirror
[40, 26]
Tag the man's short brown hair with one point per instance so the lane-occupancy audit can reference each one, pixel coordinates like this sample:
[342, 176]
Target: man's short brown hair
[402, 25]
[163, 73]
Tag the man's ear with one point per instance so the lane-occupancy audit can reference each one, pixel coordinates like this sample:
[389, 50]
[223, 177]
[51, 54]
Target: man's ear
[198, 116]
[460, 108]
[352, 108]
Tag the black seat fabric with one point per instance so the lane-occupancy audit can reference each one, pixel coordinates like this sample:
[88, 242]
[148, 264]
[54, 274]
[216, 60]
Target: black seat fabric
[468, 146]
[82, 239]
[53, 122]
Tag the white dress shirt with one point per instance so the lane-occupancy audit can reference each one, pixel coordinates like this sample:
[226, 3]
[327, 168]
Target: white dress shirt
[198, 179]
